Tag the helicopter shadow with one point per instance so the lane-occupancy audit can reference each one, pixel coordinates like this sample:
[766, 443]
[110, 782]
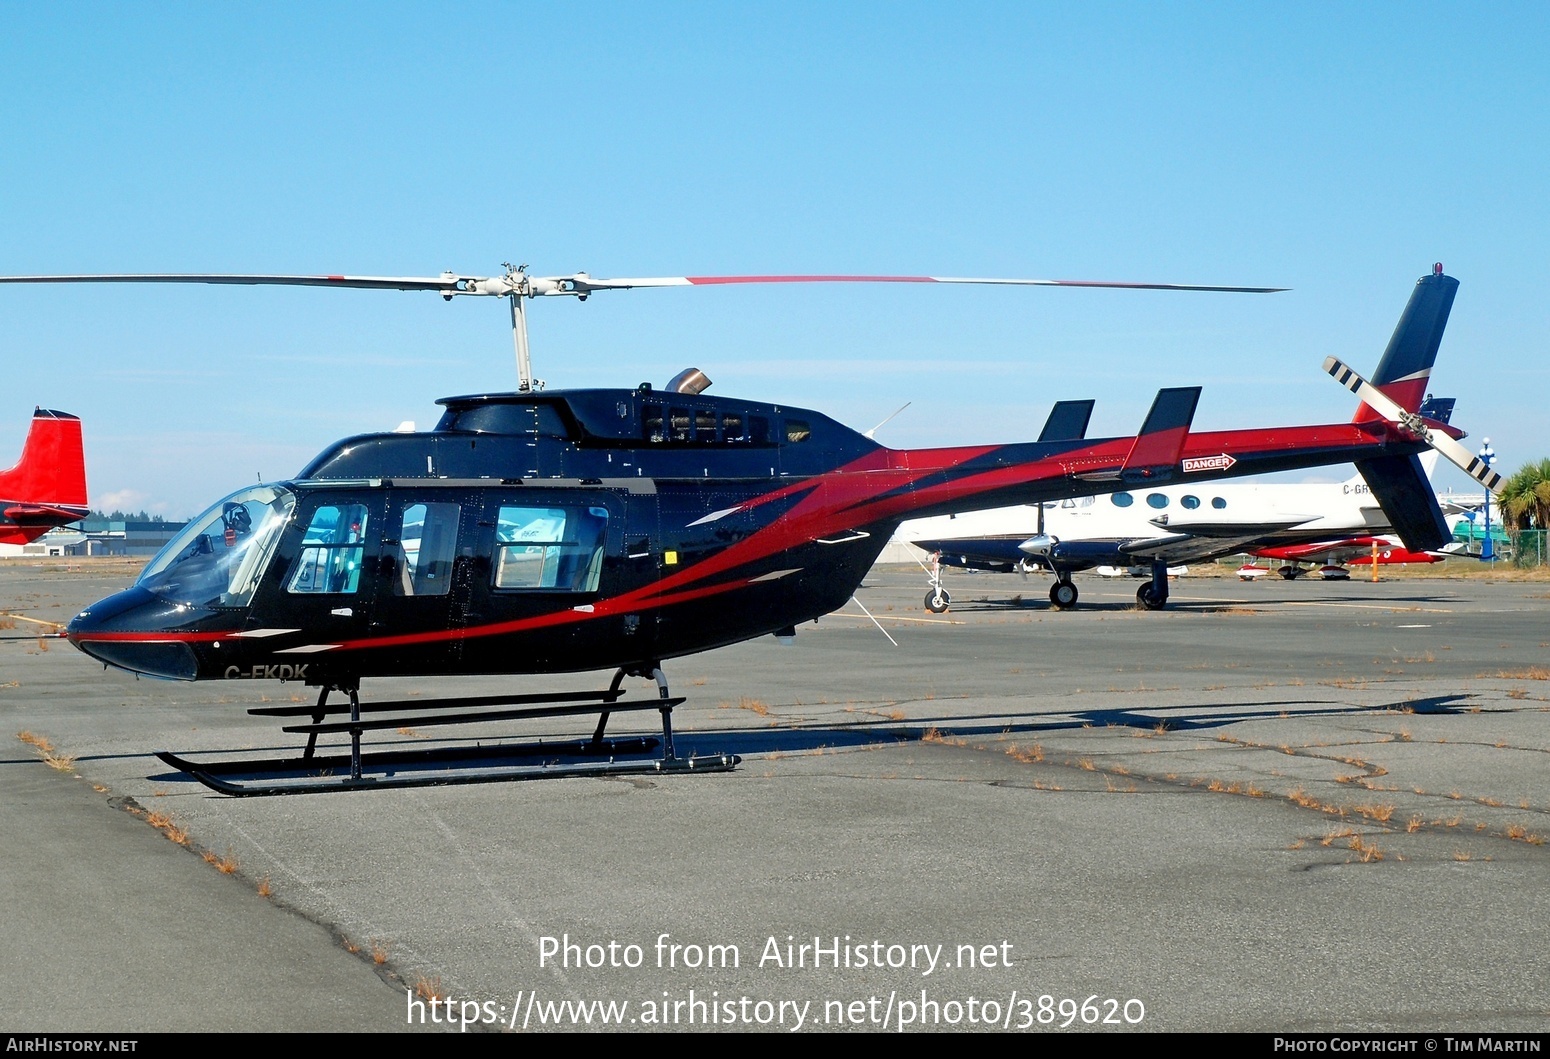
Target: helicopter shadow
[799, 739]
[1180, 718]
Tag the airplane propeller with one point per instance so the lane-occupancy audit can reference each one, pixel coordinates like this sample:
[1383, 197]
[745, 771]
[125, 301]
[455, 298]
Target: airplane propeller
[517, 286]
[1455, 453]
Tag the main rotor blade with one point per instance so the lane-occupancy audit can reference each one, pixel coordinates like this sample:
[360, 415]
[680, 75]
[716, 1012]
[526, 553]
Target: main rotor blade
[444, 283]
[581, 284]
[1389, 408]
[582, 280]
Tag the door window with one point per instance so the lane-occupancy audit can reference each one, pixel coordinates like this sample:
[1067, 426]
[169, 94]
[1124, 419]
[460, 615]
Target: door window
[427, 545]
[332, 550]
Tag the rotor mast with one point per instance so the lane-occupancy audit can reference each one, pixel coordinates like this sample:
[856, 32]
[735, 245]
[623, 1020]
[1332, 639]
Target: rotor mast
[520, 292]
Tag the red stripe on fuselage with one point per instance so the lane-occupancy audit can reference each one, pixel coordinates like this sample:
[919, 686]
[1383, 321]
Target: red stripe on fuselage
[877, 487]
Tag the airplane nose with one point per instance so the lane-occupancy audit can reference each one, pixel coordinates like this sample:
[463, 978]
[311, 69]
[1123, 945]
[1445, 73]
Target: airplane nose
[133, 630]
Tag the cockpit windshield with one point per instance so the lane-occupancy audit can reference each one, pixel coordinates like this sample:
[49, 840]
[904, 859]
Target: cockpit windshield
[219, 557]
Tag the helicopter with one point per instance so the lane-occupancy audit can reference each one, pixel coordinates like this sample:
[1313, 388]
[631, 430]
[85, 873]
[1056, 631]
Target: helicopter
[550, 531]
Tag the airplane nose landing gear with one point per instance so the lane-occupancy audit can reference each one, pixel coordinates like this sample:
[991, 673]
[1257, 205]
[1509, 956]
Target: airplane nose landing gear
[937, 600]
[1062, 594]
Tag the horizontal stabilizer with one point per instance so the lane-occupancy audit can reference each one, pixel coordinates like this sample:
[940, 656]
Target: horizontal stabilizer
[1158, 447]
[1401, 487]
[1067, 421]
[1438, 409]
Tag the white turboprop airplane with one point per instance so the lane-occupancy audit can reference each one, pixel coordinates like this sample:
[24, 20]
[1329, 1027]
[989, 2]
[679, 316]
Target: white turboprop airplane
[1160, 527]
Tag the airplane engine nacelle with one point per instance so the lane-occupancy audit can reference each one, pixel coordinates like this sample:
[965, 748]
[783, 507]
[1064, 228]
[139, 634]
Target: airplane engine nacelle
[1042, 545]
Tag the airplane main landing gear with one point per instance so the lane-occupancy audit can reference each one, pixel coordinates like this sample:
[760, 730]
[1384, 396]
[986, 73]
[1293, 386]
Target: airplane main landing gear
[1289, 572]
[1062, 594]
[1154, 594]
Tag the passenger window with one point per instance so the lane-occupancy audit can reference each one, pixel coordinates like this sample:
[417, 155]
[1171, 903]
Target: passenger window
[427, 545]
[1218, 503]
[1190, 502]
[1157, 500]
[681, 424]
[651, 423]
[732, 427]
[759, 430]
[554, 548]
[705, 427]
[797, 430]
[330, 561]
[1122, 499]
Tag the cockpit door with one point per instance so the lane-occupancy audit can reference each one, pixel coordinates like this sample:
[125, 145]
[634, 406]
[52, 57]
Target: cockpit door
[424, 572]
[323, 580]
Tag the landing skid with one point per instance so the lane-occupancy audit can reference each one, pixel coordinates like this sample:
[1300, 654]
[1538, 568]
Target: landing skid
[454, 765]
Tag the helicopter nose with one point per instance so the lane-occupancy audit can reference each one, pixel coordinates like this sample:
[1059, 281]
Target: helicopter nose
[133, 630]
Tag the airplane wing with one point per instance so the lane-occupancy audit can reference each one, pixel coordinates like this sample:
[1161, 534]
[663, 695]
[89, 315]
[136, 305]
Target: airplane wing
[1187, 548]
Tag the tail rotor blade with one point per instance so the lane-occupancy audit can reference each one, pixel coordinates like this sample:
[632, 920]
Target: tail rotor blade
[1450, 449]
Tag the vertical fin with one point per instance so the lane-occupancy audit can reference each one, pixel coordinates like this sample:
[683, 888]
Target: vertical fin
[1407, 499]
[1157, 448]
[1067, 421]
[1406, 366]
[52, 468]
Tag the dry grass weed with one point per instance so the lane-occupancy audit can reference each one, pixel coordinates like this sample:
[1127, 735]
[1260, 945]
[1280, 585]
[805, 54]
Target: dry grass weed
[1368, 851]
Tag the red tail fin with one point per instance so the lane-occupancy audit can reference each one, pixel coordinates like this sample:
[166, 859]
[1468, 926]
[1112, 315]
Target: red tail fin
[47, 487]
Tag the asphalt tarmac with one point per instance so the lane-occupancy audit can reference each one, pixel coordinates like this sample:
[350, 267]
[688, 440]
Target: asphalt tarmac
[1271, 807]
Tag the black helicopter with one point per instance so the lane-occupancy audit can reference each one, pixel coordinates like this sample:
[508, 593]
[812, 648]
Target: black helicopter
[574, 530]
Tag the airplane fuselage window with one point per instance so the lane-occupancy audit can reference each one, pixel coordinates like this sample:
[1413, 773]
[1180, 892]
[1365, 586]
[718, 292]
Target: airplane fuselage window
[1218, 503]
[1189, 502]
[1157, 500]
[1122, 499]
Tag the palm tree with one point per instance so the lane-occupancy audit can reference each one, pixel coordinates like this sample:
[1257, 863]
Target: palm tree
[1525, 497]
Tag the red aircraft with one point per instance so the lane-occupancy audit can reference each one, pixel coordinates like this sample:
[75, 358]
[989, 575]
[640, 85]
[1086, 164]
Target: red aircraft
[1333, 555]
[47, 487]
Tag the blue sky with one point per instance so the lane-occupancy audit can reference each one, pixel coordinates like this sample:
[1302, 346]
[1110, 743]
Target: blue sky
[1335, 149]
